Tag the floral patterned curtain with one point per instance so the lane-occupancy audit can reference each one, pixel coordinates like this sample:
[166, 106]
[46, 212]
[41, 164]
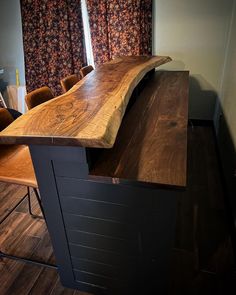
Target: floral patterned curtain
[53, 41]
[120, 27]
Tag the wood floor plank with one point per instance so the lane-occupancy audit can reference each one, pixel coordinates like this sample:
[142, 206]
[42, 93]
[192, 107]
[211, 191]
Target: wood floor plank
[60, 290]
[21, 283]
[12, 269]
[18, 237]
[9, 269]
[7, 229]
[45, 282]
[10, 196]
[41, 252]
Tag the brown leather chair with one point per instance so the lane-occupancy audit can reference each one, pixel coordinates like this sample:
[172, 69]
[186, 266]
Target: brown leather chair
[68, 82]
[5, 118]
[16, 168]
[38, 96]
[86, 70]
[15, 161]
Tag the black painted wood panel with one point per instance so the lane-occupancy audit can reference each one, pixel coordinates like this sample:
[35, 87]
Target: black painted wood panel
[107, 227]
[97, 209]
[122, 194]
[100, 226]
[101, 256]
[130, 271]
[102, 281]
[70, 168]
[130, 246]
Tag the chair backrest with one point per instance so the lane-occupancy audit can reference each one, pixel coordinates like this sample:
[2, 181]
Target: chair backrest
[38, 96]
[15, 161]
[5, 118]
[68, 82]
[85, 70]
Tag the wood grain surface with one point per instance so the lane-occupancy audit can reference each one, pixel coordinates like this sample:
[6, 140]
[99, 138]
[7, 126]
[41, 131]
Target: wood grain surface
[151, 145]
[90, 113]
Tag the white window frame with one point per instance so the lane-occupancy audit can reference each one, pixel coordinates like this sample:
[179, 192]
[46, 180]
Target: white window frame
[87, 34]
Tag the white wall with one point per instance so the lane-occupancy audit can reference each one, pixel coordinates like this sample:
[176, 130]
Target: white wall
[11, 44]
[228, 97]
[194, 34]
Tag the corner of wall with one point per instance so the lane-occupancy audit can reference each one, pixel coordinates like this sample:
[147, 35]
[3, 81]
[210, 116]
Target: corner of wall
[220, 98]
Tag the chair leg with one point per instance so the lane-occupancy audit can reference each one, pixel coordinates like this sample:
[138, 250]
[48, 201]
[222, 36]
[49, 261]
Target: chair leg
[26, 260]
[39, 201]
[29, 204]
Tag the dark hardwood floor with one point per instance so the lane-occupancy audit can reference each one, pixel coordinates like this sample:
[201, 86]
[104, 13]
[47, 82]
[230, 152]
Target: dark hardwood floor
[202, 259]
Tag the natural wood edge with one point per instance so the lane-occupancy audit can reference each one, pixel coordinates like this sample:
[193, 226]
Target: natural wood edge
[101, 131]
[107, 138]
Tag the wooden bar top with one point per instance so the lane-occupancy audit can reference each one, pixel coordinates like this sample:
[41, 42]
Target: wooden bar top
[88, 115]
[151, 145]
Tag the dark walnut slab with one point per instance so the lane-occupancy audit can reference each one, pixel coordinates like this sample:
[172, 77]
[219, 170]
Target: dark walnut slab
[151, 145]
[88, 115]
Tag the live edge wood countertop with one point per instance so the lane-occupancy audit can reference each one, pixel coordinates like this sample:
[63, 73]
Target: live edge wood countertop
[88, 115]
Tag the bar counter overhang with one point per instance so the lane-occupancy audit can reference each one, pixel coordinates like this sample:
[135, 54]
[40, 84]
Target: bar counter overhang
[110, 160]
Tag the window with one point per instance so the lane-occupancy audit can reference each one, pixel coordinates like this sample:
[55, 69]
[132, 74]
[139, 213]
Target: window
[87, 35]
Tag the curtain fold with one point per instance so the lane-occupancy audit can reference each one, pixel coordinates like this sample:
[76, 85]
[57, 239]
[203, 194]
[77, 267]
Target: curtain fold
[120, 27]
[53, 41]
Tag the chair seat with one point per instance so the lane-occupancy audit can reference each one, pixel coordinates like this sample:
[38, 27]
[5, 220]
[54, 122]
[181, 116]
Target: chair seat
[16, 165]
